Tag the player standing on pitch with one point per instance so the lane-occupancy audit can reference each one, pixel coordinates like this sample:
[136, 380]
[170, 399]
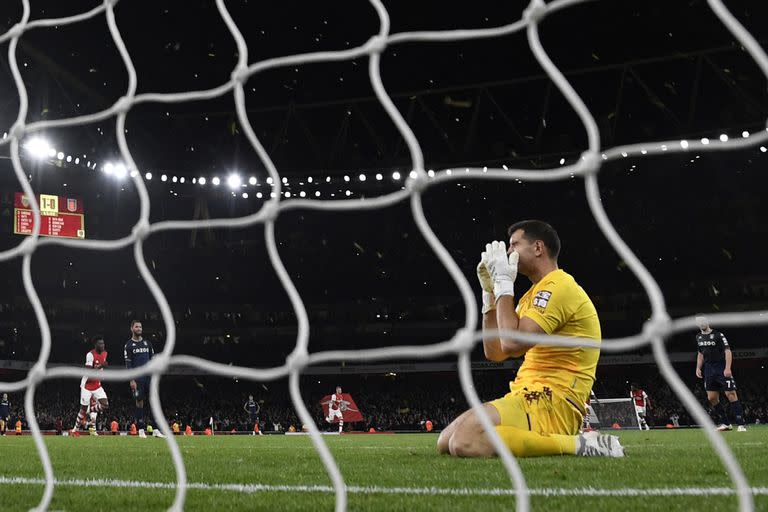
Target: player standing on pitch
[716, 357]
[252, 408]
[92, 395]
[544, 410]
[334, 409]
[642, 405]
[138, 352]
[5, 413]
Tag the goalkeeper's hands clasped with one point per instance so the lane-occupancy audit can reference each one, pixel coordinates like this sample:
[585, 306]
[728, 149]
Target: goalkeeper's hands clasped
[502, 268]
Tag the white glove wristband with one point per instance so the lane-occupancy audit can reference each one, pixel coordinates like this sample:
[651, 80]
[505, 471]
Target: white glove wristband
[503, 287]
[489, 302]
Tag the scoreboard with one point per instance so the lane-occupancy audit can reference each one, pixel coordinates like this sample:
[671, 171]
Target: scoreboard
[60, 216]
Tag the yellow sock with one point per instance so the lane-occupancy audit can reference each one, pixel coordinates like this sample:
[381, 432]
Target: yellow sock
[523, 443]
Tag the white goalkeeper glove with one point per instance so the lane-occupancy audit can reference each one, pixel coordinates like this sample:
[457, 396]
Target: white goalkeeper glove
[486, 283]
[503, 269]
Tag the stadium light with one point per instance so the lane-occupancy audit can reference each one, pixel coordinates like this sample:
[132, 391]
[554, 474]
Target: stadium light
[413, 174]
[163, 178]
[348, 193]
[69, 158]
[723, 137]
[252, 180]
[60, 155]
[379, 177]
[285, 180]
[309, 180]
[705, 140]
[148, 176]
[346, 178]
[287, 194]
[77, 161]
[361, 177]
[269, 180]
[448, 172]
[684, 144]
[763, 149]
[201, 181]
[234, 181]
[317, 193]
[120, 171]
[108, 168]
[431, 173]
[182, 180]
[562, 161]
[258, 195]
[39, 148]
[745, 134]
[396, 176]
[215, 181]
[245, 195]
[302, 194]
[174, 179]
[327, 179]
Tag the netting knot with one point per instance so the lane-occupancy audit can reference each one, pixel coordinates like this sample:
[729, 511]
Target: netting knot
[589, 163]
[535, 11]
[17, 130]
[464, 340]
[377, 44]
[141, 230]
[15, 31]
[269, 211]
[418, 183]
[122, 105]
[658, 326]
[297, 360]
[240, 74]
[36, 374]
[27, 247]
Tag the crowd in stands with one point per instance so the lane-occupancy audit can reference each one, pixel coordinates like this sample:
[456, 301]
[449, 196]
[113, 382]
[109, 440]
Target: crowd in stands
[388, 403]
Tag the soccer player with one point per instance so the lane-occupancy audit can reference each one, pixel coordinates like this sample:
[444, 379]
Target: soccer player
[642, 404]
[5, 413]
[252, 408]
[91, 391]
[334, 409]
[542, 413]
[138, 352]
[716, 358]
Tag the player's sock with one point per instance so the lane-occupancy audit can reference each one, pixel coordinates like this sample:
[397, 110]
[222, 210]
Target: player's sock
[717, 413]
[341, 426]
[140, 418]
[737, 412]
[524, 443]
[80, 419]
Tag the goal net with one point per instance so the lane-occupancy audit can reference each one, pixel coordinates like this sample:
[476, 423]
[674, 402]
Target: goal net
[656, 330]
[608, 412]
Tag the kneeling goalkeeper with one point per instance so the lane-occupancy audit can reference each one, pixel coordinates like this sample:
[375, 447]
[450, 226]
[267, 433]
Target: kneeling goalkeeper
[542, 413]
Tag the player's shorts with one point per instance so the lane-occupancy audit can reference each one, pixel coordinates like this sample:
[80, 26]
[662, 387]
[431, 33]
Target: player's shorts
[714, 380]
[334, 413]
[86, 394]
[142, 388]
[538, 409]
[640, 409]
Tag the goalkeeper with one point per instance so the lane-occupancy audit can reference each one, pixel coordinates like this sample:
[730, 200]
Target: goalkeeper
[542, 413]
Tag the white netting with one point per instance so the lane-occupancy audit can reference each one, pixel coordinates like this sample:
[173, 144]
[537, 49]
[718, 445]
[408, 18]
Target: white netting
[659, 327]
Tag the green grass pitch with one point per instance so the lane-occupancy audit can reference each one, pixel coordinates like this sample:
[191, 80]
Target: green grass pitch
[384, 472]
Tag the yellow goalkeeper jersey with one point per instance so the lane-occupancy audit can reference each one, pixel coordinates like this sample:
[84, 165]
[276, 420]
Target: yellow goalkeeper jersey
[560, 306]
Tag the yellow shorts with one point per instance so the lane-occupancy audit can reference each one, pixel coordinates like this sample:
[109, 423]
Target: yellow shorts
[538, 409]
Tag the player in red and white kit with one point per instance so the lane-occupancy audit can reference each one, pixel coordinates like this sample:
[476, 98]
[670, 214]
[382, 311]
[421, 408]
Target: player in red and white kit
[334, 409]
[91, 388]
[642, 405]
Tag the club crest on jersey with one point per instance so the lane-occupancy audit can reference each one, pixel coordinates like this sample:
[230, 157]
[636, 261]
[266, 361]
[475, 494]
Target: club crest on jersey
[542, 299]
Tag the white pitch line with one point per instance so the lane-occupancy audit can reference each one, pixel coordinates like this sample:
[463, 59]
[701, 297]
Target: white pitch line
[430, 491]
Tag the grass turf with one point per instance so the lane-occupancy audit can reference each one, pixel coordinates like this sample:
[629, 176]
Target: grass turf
[656, 459]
